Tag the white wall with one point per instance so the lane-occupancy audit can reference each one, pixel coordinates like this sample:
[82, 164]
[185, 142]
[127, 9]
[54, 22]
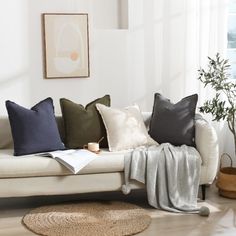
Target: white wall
[130, 65]
[21, 73]
[14, 56]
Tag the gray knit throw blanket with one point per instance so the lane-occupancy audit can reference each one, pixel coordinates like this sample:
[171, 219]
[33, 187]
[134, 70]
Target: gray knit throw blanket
[171, 175]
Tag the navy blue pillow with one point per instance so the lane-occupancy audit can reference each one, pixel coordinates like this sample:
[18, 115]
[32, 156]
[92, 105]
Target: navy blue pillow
[34, 130]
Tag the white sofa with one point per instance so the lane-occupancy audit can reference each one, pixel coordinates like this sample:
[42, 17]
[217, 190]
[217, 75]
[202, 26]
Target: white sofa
[33, 175]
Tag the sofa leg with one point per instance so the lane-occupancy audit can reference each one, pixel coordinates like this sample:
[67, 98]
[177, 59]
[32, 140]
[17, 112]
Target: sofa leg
[203, 187]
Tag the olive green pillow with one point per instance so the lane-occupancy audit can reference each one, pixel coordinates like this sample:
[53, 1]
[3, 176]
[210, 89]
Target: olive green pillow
[83, 124]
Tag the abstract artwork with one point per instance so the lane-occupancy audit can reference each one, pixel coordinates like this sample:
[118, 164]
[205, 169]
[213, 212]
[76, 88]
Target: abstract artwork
[66, 45]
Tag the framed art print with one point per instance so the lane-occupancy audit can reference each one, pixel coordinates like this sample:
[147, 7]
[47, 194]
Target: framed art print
[66, 45]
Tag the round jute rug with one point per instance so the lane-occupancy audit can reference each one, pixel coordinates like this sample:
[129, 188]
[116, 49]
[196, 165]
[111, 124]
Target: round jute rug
[108, 218]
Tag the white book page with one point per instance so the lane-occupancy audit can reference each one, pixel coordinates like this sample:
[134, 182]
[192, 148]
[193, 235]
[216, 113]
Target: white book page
[76, 160]
[73, 159]
[58, 153]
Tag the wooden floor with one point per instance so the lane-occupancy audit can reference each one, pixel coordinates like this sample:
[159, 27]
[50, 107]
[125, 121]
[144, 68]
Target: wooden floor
[222, 220]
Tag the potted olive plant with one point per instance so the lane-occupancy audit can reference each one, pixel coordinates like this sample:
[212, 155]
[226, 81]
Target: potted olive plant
[222, 107]
[217, 76]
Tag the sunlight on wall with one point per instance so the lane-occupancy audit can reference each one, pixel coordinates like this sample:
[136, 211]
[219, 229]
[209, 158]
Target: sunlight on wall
[14, 60]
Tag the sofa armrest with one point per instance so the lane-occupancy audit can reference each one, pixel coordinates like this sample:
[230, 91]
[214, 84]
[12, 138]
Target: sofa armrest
[207, 145]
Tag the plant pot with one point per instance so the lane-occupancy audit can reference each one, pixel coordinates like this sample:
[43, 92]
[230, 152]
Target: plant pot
[226, 181]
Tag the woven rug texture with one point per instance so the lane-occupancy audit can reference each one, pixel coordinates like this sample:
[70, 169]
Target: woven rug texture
[108, 218]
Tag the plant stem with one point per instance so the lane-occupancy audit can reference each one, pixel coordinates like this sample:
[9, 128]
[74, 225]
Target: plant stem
[234, 133]
[235, 145]
[231, 125]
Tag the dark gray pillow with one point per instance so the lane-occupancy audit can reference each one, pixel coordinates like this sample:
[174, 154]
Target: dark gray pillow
[34, 130]
[173, 123]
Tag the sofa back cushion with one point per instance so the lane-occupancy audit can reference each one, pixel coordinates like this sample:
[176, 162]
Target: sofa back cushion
[6, 141]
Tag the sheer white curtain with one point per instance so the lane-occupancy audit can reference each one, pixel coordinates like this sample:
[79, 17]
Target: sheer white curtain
[168, 41]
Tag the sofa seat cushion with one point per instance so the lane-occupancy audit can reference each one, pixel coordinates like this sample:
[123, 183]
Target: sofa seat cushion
[35, 166]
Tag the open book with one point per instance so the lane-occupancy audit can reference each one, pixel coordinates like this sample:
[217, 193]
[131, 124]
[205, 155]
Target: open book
[74, 160]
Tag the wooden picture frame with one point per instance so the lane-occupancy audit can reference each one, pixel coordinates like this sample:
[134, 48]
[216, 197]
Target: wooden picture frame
[66, 45]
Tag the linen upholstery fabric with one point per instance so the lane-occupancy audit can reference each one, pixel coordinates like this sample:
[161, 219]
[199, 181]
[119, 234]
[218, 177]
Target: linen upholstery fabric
[36, 166]
[34, 130]
[173, 123]
[11, 167]
[83, 124]
[56, 185]
[31, 178]
[125, 128]
[207, 145]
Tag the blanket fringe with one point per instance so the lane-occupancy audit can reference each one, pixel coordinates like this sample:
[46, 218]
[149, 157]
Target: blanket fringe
[204, 211]
[126, 189]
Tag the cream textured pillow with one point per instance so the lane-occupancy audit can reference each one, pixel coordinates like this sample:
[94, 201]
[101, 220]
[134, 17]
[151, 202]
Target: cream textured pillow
[125, 128]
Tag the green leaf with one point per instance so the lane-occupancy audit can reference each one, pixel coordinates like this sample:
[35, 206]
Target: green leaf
[217, 77]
